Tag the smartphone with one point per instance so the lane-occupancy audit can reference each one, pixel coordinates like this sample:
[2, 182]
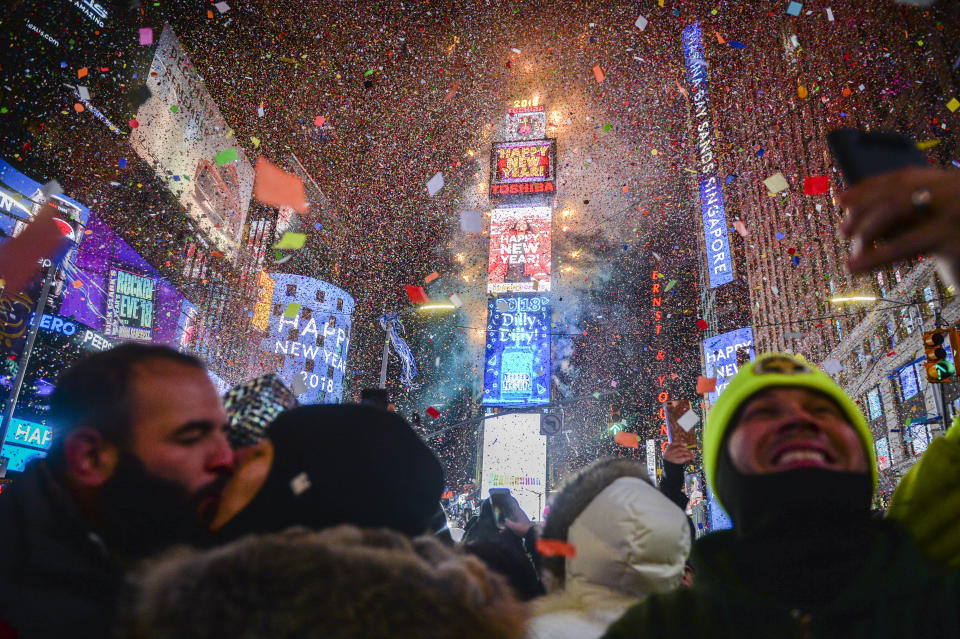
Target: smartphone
[500, 501]
[864, 154]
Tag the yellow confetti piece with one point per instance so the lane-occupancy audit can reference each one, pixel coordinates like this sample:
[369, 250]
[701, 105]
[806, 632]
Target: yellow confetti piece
[953, 105]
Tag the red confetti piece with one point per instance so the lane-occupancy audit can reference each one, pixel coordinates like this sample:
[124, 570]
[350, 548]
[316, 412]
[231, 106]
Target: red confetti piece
[555, 548]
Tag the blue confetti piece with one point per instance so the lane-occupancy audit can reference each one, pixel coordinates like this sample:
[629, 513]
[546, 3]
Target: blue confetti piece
[122, 163]
[760, 153]
[796, 260]
[794, 8]
[318, 226]
[779, 236]
[736, 44]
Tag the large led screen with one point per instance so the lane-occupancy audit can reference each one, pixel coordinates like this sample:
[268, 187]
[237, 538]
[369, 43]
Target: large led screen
[523, 171]
[526, 123]
[182, 133]
[519, 250]
[517, 356]
[130, 299]
[309, 336]
[720, 357]
[515, 457]
[103, 255]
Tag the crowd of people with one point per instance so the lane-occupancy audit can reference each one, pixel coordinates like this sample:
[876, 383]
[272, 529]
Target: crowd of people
[162, 511]
[144, 521]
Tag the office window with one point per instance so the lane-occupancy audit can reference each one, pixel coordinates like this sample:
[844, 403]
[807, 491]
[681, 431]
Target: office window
[339, 303]
[306, 313]
[908, 383]
[874, 404]
[291, 290]
[321, 295]
[308, 365]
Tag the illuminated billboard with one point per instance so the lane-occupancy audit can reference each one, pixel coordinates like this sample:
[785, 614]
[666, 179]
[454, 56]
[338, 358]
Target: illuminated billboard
[25, 441]
[97, 262]
[182, 134]
[519, 250]
[526, 122]
[130, 303]
[523, 171]
[515, 457]
[309, 334]
[720, 357]
[716, 234]
[517, 356]
[261, 312]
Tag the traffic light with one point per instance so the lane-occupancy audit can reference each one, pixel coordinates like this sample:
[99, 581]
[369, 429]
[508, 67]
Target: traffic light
[616, 419]
[939, 368]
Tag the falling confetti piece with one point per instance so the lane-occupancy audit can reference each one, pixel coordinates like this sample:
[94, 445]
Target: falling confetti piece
[226, 157]
[627, 440]
[555, 548]
[291, 241]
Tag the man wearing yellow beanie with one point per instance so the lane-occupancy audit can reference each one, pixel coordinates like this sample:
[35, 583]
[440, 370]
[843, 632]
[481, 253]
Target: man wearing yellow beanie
[791, 458]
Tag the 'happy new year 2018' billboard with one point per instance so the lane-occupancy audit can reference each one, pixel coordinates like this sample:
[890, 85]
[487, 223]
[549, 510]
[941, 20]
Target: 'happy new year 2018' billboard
[519, 250]
[523, 171]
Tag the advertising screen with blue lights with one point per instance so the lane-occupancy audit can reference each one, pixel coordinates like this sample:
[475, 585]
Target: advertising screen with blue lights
[720, 357]
[309, 336]
[25, 441]
[517, 356]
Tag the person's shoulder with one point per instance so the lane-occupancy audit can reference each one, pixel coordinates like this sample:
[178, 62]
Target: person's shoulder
[664, 615]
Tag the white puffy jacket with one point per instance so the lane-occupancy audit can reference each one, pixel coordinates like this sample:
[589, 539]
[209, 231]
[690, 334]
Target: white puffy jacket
[631, 542]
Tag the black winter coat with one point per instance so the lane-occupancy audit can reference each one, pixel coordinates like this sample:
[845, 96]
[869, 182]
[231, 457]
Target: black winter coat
[894, 593]
[56, 577]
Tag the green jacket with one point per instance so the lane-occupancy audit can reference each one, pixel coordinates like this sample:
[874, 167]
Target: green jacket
[897, 594]
[927, 499]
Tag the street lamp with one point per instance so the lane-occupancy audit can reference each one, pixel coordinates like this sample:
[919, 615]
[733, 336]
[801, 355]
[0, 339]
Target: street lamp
[869, 298]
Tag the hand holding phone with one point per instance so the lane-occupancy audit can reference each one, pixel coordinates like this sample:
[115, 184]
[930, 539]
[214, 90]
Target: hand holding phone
[899, 206]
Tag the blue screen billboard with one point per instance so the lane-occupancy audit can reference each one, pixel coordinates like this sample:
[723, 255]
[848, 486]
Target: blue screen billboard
[720, 356]
[517, 356]
[25, 441]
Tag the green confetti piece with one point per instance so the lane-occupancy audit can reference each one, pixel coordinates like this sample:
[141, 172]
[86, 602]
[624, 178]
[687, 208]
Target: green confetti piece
[292, 241]
[669, 285]
[291, 311]
[368, 73]
[226, 157]
[174, 108]
[607, 127]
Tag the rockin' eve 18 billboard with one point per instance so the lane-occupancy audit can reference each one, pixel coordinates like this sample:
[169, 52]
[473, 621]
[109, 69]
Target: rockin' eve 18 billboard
[517, 357]
[519, 250]
[130, 301]
[523, 171]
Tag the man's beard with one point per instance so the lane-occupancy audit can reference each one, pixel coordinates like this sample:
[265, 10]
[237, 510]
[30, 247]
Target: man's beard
[143, 514]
